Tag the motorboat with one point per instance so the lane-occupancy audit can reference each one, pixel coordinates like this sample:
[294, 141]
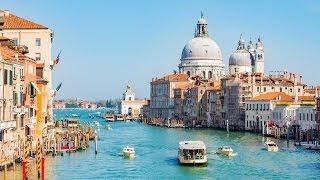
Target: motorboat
[192, 153]
[128, 152]
[109, 117]
[119, 117]
[225, 150]
[271, 146]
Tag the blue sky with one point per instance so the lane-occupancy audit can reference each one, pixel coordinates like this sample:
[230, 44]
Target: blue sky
[109, 44]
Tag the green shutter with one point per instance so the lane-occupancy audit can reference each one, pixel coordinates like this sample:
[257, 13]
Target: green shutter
[5, 77]
[10, 78]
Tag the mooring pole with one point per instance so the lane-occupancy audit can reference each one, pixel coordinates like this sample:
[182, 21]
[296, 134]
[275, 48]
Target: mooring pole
[96, 142]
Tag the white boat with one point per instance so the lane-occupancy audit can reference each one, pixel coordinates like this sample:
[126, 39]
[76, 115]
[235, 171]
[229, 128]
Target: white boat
[119, 117]
[128, 152]
[192, 153]
[225, 150]
[271, 146]
[109, 117]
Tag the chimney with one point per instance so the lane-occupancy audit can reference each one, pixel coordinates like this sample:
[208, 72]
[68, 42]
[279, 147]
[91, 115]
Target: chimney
[300, 79]
[290, 76]
[295, 79]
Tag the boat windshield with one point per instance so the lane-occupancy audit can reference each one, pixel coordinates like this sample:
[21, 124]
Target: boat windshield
[193, 154]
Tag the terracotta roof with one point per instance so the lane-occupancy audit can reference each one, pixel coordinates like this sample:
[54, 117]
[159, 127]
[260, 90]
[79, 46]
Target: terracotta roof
[174, 77]
[14, 22]
[7, 53]
[183, 86]
[307, 98]
[281, 96]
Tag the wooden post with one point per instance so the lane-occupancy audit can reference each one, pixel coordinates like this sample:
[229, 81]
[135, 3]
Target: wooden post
[42, 168]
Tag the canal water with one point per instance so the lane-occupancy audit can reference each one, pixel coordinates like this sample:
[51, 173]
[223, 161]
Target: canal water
[156, 155]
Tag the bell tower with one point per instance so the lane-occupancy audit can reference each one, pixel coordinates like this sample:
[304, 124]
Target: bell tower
[259, 57]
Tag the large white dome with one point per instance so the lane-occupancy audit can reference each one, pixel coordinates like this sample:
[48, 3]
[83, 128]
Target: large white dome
[240, 58]
[201, 48]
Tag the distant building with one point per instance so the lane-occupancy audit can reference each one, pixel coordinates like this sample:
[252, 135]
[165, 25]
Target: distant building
[247, 59]
[131, 106]
[59, 105]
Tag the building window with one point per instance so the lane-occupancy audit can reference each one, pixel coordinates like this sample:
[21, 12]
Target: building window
[264, 89]
[188, 73]
[210, 74]
[10, 78]
[204, 74]
[257, 89]
[15, 41]
[38, 42]
[5, 77]
[38, 56]
[280, 89]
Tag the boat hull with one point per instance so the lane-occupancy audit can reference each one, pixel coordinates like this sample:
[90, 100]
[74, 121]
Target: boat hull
[128, 154]
[272, 149]
[193, 162]
[225, 153]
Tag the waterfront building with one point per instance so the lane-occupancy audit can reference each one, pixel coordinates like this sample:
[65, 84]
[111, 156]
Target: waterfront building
[59, 104]
[162, 94]
[237, 89]
[318, 115]
[130, 106]
[279, 110]
[247, 59]
[196, 111]
[37, 40]
[12, 110]
[86, 104]
[201, 56]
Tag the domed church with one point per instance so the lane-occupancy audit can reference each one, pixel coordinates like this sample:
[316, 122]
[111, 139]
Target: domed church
[247, 59]
[201, 56]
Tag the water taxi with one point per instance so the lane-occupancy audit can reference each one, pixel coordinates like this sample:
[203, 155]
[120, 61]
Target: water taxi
[128, 152]
[271, 146]
[109, 117]
[225, 150]
[119, 117]
[192, 153]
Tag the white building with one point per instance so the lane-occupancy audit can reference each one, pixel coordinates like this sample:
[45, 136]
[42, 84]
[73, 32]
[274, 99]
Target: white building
[131, 106]
[37, 40]
[247, 59]
[281, 110]
[201, 56]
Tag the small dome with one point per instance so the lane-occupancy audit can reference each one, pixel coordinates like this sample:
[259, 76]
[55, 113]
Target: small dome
[240, 58]
[201, 48]
[202, 21]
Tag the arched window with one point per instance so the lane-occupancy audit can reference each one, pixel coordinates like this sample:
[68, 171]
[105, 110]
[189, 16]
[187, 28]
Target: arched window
[188, 73]
[203, 74]
[210, 74]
